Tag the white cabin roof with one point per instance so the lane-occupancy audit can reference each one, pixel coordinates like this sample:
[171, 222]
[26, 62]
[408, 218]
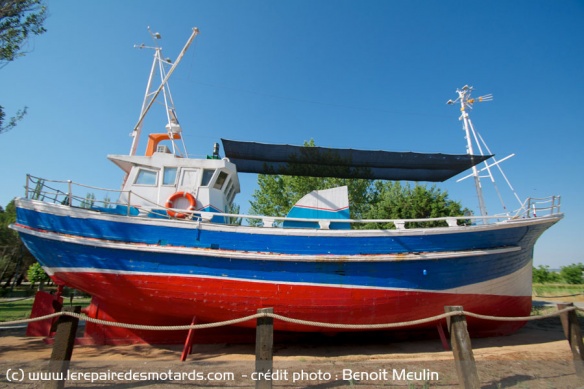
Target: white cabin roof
[159, 160]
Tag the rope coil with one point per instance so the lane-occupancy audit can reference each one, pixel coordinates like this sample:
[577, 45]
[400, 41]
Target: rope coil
[289, 320]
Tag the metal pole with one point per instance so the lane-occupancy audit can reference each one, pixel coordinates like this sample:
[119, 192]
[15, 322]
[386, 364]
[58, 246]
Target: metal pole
[138, 130]
[479, 189]
[70, 192]
[155, 95]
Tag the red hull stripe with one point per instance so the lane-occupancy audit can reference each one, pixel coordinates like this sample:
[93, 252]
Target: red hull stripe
[175, 299]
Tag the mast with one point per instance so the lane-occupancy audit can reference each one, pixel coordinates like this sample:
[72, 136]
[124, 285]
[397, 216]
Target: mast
[173, 128]
[466, 101]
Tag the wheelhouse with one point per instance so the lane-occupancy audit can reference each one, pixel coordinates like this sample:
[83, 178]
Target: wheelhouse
[151, 181]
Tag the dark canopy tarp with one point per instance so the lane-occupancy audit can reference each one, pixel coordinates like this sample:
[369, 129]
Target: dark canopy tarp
[252, 157]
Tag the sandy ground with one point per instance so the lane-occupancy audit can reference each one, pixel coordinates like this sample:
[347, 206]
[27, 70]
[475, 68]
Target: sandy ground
[537, 356]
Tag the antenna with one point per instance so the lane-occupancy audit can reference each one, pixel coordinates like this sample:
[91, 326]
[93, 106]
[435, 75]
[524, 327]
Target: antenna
[155, 35]
[466, 102]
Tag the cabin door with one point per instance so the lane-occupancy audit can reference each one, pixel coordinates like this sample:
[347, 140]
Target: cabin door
[189, 180]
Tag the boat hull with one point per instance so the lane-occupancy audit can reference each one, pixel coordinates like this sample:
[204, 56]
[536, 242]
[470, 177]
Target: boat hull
[169, 272]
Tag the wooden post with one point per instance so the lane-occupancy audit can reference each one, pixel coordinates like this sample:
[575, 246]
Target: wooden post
[264, 349]
[63, 348]
[466, 368]
[572, 331]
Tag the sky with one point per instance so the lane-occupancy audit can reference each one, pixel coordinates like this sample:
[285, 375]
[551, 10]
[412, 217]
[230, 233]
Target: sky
[371, 75]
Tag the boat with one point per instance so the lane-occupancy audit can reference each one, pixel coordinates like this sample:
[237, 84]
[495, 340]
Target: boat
[169, 248]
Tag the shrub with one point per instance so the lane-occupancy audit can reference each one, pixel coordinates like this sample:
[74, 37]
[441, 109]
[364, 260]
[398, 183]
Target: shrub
[542, 275]
[36, 274]
[572, 274]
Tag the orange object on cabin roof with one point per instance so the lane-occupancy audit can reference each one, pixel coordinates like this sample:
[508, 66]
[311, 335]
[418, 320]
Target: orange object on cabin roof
[155, 139]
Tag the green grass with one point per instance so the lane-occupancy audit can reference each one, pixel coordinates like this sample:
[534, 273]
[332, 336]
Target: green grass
[15, 310]
[557, 290]
[20, 309]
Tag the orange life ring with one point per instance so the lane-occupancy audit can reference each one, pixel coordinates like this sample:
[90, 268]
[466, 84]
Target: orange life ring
[179, 195]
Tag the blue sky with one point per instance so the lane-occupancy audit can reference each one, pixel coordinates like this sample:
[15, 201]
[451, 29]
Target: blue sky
[361, 74]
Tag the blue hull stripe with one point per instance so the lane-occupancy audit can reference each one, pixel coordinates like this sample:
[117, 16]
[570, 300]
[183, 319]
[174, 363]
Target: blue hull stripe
[431, 275]
[122, 229]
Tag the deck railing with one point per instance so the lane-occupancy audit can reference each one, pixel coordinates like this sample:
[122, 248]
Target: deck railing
[543, 206]
[69, 193]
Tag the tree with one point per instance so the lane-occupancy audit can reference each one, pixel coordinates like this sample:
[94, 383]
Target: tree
[19, 19]
[277, 194]
[16, 258]
[542, 274]
[396, 201]
[573, 274]
[7, 217]
[368, 199]
[233, 220]
[36, 273]
[89, 201]
[13, 120]
[8, 244]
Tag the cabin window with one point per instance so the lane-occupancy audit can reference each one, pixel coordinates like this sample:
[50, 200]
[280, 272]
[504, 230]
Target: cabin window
[169, 176]
[189, 178]
[146, 177]
[207, 175]
[220, 180]
[229, 191]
